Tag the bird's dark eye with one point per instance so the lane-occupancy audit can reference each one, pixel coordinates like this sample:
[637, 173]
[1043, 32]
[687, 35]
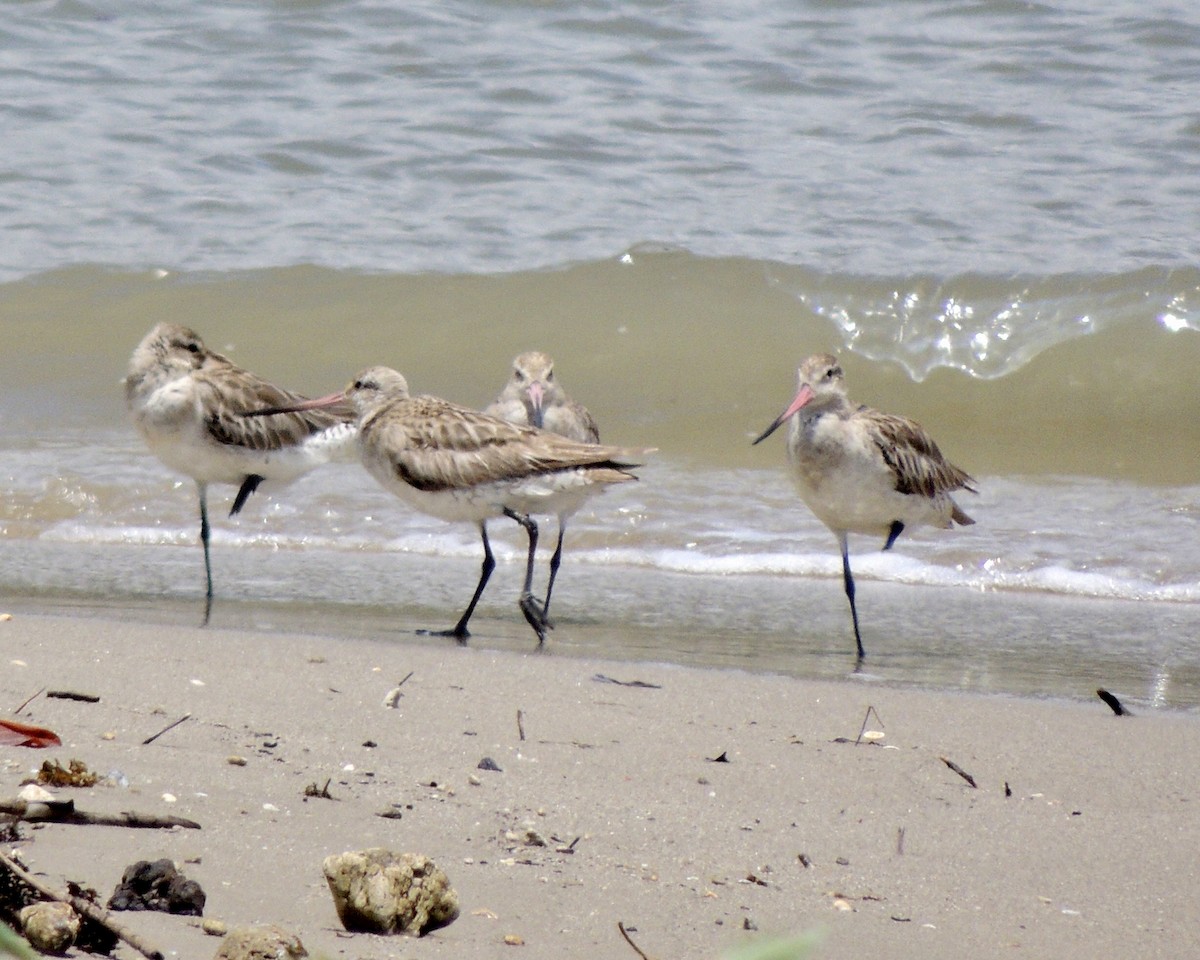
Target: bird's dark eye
[519, 376]
[192, 347]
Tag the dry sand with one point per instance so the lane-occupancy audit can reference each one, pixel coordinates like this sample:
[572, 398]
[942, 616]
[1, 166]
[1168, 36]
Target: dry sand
[883, 848]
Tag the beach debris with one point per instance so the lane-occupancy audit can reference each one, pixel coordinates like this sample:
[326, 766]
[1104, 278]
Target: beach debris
[169, 726]
[602, 678]
[900, 841]
[514, 940]
[50, 925]
[625, 931]
[267, 942]
[322, 793]
[75, 774]
[521, 724]
[805, 860]
[28, 700]
[157, 885]
[100, 928]
[379, 891]
[236, 760]
[33, 793]
[487, 763]
[960, 771]
[870, 736]
[214, 927]
[722, 758]
[1114, 704]
[63, 811]
[392, 700]
[72, 695]
[16, 734]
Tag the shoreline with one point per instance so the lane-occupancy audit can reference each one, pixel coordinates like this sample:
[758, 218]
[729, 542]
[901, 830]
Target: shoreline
[1091, 851]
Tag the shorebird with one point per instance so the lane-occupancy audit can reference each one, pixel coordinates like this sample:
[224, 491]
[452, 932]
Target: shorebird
[184, 400]
[456, 463]
[533, 398]
[863, 471]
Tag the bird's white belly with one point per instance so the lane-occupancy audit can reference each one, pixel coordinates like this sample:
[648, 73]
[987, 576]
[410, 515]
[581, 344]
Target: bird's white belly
[866, 501]
[558, 494]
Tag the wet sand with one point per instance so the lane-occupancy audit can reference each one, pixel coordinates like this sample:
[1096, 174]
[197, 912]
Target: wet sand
[880, 846]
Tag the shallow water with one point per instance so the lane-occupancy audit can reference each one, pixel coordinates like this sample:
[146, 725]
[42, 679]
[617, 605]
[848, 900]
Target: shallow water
[988, 208]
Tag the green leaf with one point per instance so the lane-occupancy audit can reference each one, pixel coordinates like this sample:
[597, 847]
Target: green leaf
[12, 945]
[784, 948]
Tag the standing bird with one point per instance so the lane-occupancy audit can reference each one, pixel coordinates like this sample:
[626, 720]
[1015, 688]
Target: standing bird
[184, 400]
[456, 463]
[862, 471]
[533, 398]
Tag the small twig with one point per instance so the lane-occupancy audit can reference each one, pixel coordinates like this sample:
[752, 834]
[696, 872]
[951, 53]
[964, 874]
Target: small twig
[521, 724]
[866, 720]
[28, 702]
[900, 842]
[169, 726]
[629, 940]
[71, 695]
[405, 680]
[1116, 705]
[960, 771]
[85, 908]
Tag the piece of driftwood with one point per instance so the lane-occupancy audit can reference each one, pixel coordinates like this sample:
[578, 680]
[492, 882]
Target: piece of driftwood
[960, 771]
[63, 811]
[72, 695]
[84, 908]
[1114, 704]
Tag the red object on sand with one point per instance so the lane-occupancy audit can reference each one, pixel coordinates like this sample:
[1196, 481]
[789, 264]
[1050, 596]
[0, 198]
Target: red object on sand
[13, 734]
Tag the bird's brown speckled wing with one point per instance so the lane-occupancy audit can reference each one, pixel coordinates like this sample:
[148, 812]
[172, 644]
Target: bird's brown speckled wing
[437, 445]
[229, 391]
[913, 457]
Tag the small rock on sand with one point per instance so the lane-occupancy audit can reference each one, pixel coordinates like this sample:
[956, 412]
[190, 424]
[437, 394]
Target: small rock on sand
[378, 891]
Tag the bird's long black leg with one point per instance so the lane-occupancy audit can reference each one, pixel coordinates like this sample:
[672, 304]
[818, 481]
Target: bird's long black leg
[555, 561]
[459, 631]
[535, 612]
[895, 531]
[205, 536]
[249, 485]
[848, 577]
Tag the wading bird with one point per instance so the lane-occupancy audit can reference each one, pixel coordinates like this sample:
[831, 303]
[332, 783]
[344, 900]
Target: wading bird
[863, 471]
[456, 463]
[185, 399]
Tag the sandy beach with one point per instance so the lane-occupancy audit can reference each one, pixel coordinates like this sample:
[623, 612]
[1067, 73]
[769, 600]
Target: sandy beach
[701, 808]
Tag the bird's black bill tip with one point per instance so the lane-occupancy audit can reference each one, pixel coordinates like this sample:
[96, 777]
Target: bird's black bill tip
[766, 433]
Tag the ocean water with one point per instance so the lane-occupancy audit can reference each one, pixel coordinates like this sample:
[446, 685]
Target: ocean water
[987, 208]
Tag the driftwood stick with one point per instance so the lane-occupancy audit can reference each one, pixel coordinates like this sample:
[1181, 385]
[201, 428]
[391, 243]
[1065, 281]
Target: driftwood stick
[521, 724]
[66, 813]
[960, 771]
[169, 726]
[629, 940]
[83, 907]
[72, 695]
